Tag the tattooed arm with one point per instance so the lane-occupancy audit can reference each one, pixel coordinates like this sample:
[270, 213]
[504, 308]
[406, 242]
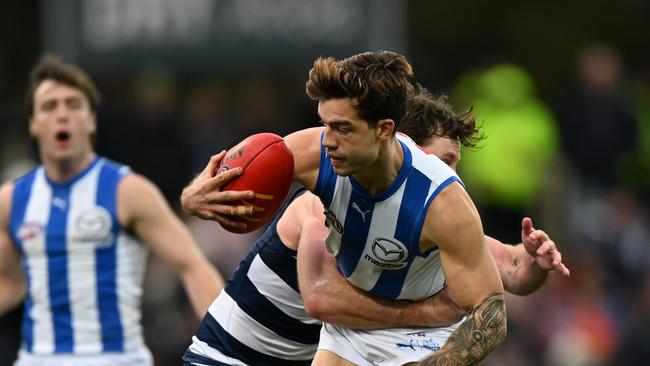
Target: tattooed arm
[472, 277]
[474, 338]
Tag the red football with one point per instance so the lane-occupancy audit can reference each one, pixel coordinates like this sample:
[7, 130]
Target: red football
[268, 171]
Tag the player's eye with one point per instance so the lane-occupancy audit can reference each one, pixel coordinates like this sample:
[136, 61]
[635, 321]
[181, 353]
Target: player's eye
[74, 103]
[49, 105]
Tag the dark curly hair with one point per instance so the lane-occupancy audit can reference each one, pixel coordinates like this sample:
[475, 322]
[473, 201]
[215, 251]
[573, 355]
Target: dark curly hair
[378, 82]
[427, 116]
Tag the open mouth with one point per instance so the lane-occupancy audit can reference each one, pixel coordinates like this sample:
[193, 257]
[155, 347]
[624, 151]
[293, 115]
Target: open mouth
[63, 136]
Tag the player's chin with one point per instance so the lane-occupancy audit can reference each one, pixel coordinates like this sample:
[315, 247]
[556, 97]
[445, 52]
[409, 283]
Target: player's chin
[342, 171]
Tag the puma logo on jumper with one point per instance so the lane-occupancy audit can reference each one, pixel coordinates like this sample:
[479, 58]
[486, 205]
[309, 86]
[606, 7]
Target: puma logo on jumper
[363, 213]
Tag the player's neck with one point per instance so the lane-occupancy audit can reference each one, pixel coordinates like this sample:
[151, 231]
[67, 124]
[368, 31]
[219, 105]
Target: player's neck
[377, 177]
[62, 170]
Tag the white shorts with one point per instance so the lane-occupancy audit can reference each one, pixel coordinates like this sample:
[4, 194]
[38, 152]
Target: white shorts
[132, 358]
[383, 346]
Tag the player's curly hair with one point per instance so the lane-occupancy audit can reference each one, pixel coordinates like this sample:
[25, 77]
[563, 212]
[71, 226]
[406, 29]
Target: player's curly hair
[428, 115]
[379, 83]
[53, 68]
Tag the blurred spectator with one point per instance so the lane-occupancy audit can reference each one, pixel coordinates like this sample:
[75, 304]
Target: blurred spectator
[597, 127]
[639, 169]
[586, 334]
[506, 173]
[598, 132]
[635, 350]
[619, 227]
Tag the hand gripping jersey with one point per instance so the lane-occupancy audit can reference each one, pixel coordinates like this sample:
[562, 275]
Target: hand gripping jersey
[83, 270]
[259, 318]
[376, 238]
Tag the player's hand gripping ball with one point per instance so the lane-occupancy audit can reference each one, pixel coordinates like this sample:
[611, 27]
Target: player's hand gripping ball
[268, 171]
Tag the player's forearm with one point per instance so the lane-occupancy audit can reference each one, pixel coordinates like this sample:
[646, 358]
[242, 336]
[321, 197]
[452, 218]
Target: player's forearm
[202, 284]
[519, 272]
[527, 275]
[345, 306]
[332, 299]
[336, 301]
[482, 331]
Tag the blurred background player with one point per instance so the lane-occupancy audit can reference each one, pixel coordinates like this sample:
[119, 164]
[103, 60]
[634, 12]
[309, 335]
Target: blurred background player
[72, 233]
[259, 318]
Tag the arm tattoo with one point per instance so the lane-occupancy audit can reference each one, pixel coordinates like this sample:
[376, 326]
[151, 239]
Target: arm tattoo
[476, 337]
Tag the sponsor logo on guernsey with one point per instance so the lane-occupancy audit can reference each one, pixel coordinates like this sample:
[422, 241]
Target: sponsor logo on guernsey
[29, 230]
[332, 221]
[388, 253]
[93, 225]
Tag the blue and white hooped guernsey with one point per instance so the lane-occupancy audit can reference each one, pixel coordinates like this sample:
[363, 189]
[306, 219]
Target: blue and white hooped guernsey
[259, 318]
[376, 238]
[83, 271]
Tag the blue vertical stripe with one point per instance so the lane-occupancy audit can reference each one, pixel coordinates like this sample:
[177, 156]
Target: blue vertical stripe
[390, 282]
[443, 185]
[57, 263]
[326, 181]
[354, 238]
[21, 193]
[106, 263]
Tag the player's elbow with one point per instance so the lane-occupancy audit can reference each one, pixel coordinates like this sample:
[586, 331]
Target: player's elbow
[316, 305]
[519, 290]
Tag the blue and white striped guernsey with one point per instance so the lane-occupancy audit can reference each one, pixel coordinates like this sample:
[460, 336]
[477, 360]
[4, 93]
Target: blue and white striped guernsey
[376, 238]
[83, 270]
[259, 318]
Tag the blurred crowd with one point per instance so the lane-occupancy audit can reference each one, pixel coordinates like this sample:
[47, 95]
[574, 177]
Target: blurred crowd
[577, 163]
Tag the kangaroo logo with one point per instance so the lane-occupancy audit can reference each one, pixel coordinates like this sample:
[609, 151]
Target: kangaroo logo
[363, 213]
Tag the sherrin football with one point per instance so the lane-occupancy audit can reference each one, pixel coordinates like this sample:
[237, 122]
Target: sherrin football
[268, 171]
